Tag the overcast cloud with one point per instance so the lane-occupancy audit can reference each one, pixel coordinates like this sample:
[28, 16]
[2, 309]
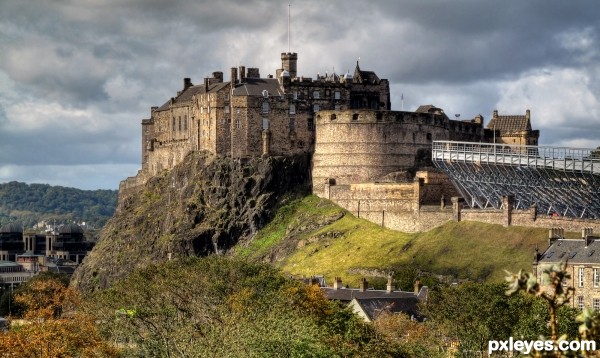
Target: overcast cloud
[77, 76]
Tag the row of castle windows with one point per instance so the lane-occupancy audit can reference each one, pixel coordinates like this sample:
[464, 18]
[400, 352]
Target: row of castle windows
[596, 303]
[317, 94]
[175, 127]
[596, 278]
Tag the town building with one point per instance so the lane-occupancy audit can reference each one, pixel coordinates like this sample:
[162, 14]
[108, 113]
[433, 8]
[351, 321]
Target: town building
[580, 258]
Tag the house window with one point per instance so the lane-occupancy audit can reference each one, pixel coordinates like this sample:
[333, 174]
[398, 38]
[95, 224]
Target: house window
[315, 107]
[581, 277]
[295, 95]
[337, 95]
[311, 124]
[292, 123]
[292, 109]
[596, 278]
[597, 304]
[173, 124]
[226, 109]
[355, 117]
[237, 123]
[227, 96]
[316, 95]
[428, 136]
[265, 107]
[580, 303]
[332, 117]
[265, 123]
[185, 123]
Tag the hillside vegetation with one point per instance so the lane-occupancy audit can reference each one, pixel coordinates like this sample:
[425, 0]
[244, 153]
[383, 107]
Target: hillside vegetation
[32, 203]
[313, 236]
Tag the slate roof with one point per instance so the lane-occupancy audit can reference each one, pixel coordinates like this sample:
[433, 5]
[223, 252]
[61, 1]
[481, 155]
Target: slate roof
[361, 76]
[347, 294]
[256, 86]
[428, 108]
[510, 123]
[373, 307]
[12, 228]
[186, 96]
[572, 250]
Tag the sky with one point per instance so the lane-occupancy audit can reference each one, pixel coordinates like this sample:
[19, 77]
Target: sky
[78, 76]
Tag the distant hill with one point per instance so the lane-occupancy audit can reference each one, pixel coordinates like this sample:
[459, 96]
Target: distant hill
[32, 203]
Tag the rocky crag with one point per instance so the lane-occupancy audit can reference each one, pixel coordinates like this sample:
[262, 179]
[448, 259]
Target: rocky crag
[205, 205]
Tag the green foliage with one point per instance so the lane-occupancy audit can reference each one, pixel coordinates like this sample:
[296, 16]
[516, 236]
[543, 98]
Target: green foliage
[227, 307]
[31, 203]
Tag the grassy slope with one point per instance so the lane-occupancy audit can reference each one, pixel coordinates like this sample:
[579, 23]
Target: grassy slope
[463, 250]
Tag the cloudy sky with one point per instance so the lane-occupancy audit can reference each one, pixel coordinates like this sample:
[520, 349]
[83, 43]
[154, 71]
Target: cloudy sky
[77, 76]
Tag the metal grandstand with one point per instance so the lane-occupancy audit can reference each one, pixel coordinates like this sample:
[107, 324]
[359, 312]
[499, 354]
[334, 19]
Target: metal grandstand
[560, 181]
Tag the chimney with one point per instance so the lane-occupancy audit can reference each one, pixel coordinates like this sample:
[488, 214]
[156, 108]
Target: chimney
[418, 286]
[363, 285]
[527, 114]
[187, 83]
[234, 79]
[206, 83]
[390, 284]
[495, 113]
[253, 72]
[218, 76]
[242, 74]
[337, 283]
[554, 234]
[586, 234]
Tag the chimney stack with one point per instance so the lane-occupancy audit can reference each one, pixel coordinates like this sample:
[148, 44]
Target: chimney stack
[586, 234]
[363, 285]
[337, 283]
[242, 74]
[418, 286]
[390, 284]
[187, 83]
[234, 79]
[206, 83]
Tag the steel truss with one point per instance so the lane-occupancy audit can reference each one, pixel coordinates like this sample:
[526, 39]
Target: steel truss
[562, 181]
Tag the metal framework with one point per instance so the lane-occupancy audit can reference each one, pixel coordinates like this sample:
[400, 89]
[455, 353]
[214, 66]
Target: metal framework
[562, 181]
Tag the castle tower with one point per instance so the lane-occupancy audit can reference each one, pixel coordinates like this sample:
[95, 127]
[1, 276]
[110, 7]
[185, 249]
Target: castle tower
[289, 63]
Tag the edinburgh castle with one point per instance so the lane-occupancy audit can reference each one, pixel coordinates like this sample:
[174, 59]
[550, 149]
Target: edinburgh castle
[371, 160]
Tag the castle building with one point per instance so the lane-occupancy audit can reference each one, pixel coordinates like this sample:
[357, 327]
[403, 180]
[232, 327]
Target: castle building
[251, 116]
[512, 129]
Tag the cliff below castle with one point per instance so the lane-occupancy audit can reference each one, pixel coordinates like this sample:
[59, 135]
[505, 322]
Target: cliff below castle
[205, 205]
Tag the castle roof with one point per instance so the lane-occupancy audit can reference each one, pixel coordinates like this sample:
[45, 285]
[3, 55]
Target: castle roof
[373, 307]
[361, 76]
[256, 86]
[429, 108]
[513, 123]
[186, 96]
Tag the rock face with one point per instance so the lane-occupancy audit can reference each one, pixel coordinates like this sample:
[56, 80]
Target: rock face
[205, 205]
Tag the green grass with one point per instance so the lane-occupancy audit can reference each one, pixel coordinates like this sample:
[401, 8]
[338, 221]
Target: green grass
[465, 250]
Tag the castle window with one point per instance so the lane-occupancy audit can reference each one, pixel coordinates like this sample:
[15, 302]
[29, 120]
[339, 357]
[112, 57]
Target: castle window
[185, 127]
[337, 95]
[581, 276]
[292, 109]
[596, 304]
[316, 95]
[179, 123]
[226, 109]
[265, 107]
[428, 136]
[332, 117]
[310, 123]
[265, 123]
[292, 123]
[315, 107]
[580, 303]
[237, 123]
[355, 117]
[379, 116]
[295, 95]
[227, 96]
[337, 107]
[327, 93]
[596, 278]
[173, 124]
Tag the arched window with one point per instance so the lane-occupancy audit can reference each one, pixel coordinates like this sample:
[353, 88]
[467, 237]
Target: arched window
[355, 117]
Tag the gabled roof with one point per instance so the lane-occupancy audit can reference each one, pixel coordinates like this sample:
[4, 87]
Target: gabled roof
[575, 251]
[361, 76]
[186, 96]
[373, 307]
[429, 108]
[514, 123]
[256, 86]
[347, 294]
